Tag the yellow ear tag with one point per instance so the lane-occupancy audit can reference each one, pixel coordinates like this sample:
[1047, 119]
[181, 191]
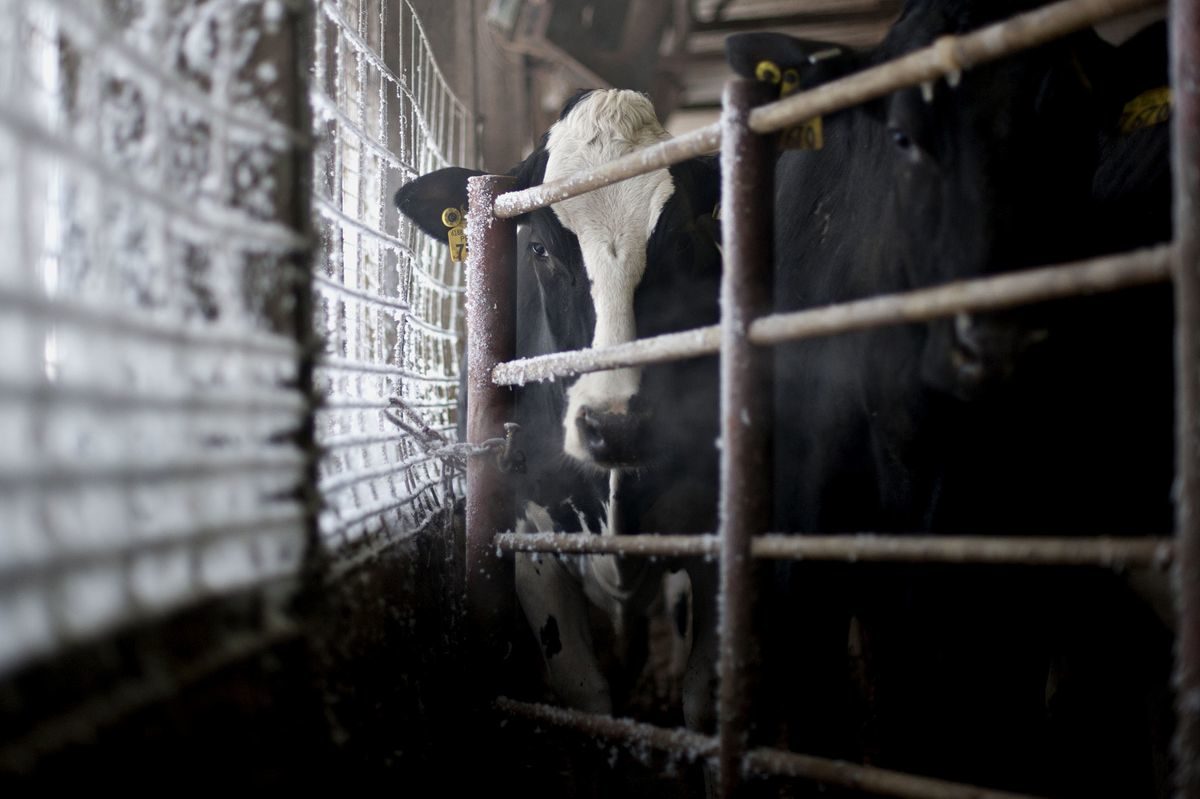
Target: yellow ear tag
[768, 72]
[455, 219]
[791, 82]
[1147, 109]
[807, 135]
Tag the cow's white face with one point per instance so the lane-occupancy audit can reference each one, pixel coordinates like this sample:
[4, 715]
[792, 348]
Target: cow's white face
[613, 225]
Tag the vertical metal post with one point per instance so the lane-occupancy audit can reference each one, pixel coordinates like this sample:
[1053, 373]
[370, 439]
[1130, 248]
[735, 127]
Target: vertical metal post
[746, 407]
[1185, 144]
[491, 339]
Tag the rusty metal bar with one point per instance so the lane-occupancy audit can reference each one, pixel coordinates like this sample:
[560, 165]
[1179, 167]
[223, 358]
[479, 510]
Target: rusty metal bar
[866, 547]
[491, 338]
[693, 746]
[672, 151]
[687, 743]
[649, 545]
[948, 55]
[1107, 273]
[1185, 151]
[881, 782]
[988, 294]
[748, 162]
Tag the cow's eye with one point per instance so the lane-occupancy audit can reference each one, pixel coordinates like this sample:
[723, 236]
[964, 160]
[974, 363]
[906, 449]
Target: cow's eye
[900, 138]
[539, 250]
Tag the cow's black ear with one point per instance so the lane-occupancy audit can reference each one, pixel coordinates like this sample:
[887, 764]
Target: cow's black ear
[768, 56]
[423, 199]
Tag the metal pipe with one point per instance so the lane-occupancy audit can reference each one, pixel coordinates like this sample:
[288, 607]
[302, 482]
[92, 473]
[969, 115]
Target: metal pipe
[1185, 151]
[866, 547]
[747, 164]
[687, 743]
[881, 782]
[988, 294]
[672, 151]
[491, 338]
[1107, 273]
[693, 746]
[948, 55]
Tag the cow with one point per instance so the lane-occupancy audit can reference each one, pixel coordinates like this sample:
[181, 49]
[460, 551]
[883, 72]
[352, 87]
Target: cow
[984, 424]
[626, 450]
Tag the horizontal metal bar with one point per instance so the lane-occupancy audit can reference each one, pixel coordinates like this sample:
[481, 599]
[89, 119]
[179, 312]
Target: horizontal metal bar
[329, 209]
[328, 283]
[672, 151]
[878, 781]
[378, 509]
[1108, 273]
[690, 745]
[325, 105]
[364, 367]
[346, 480]
[350, 404]
[867, 547]
[647, 544]
[946, 56]
[970, 296]
[693, 746]
[659, 349]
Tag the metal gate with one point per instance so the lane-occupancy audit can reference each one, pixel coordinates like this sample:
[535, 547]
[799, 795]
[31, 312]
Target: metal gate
[740, 340]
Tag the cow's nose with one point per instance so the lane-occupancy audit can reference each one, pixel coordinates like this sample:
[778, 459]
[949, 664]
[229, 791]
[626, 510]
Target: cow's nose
[610, 438]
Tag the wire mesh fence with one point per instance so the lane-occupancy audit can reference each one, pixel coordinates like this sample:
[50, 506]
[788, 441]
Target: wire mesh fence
[389, 299]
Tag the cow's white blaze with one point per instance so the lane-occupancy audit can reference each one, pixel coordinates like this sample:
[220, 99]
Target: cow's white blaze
[613, 225]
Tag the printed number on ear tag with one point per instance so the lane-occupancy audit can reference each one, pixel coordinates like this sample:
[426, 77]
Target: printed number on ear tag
[457, 237]
[455, 219]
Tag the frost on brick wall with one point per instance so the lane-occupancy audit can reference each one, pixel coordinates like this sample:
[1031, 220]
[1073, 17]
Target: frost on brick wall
[150, 369]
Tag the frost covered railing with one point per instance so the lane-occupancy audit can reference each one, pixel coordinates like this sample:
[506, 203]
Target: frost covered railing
[150, 394]
[737, 339]
[388, 300]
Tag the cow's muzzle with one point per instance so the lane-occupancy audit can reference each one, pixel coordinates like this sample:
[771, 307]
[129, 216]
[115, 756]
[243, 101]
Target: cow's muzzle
[611, 439]
[969, 354]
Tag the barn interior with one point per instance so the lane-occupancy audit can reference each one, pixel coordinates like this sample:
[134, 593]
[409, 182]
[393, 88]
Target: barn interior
[232, 526]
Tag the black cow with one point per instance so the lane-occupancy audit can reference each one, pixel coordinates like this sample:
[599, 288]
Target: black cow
[626, 450]
[999, 423]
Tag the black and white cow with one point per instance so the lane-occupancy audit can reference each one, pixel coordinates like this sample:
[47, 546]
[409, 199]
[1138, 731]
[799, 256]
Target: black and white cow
[1000, 423]
[626, 450]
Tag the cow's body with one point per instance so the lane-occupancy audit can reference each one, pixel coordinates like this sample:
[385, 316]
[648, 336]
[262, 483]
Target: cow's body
[603, 454]
[975, 425]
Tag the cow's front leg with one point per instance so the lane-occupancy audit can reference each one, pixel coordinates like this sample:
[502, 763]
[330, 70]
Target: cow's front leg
[556, 610]
[700, 678]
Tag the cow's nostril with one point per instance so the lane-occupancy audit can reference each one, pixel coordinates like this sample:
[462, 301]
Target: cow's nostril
[590, 429]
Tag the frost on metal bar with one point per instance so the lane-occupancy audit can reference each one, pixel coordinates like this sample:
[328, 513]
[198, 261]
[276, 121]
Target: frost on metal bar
[1107, 273]
[388, 300]
[148, 266]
